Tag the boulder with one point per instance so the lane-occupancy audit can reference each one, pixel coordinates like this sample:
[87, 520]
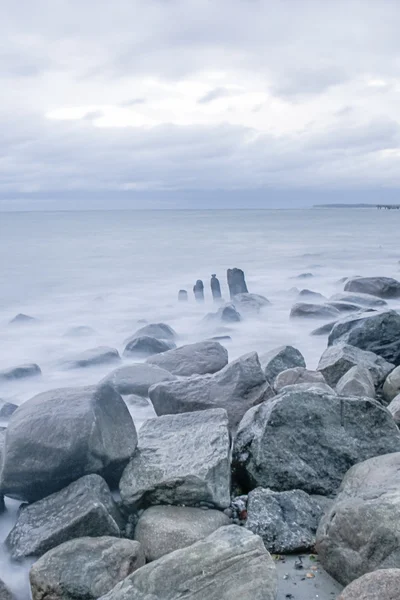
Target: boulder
[295, 376]
[230, 564]
[84, 508]
[236, 388]
[5, 593]
[383, 287]
[361, 532]
[324, 329]
[308, 440]
[356, 382]
[137, 378]
[145, 345]
[161, 331]
[236, 282]
[20, 372]
[250, 303]
[394, 409]
[7, 409]
[377, 332]
[22, 319]
[226, 314]
[365, 300]
[192, 359]
[309, 386]
[310, 294]
[286, 521]
[181, 459]
[79, 331]
[383, 584]
[279, 359]
[60, 435]
[84, 568]
[95, 356]
[345, 307]
[313, 311]
[337, 360]
[391, 387]
[164, 529]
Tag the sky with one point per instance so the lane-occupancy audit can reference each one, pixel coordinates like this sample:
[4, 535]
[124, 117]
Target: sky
[198, 103]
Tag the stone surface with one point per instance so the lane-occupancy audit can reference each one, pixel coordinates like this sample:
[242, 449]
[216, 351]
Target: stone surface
[250, 303]
[22, 319]
[181, 459]
[286, 521]
[337, 360]
[313, 311]
[20, 372]
[383, 287]
[145, 345]
[361, 532]
[236, 388]
[365, 300]
[345, 307]
[164, 529]
[226, 314]
[279, 359]
[84, 568]
[309, 386]
[383, 584]
[84, 508]
[137, 378]
[356, 382]
[7, 409]
[394, 409]
[297, 375]
[324, 329]
[193, 359]
[5, 593]
[310, 294]
[60, 435]
[230, 564]
[391, 387]
[95, 356]
[308, 440]
[161, 331]
[236, 282]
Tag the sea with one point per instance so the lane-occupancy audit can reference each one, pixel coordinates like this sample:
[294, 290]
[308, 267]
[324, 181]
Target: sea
[115, 270]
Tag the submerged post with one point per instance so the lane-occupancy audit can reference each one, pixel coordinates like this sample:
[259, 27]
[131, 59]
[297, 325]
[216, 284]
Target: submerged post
[182, 296]
[236, 282]
[198, 290]
[215, 288]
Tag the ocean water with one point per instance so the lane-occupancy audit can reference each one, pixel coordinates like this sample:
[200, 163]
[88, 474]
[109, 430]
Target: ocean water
[112, 270]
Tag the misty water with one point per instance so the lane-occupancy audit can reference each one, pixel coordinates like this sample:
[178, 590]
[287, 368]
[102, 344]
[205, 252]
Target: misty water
[113, 270]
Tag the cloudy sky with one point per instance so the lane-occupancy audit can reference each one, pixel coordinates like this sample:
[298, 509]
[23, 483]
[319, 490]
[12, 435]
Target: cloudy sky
[190, 103]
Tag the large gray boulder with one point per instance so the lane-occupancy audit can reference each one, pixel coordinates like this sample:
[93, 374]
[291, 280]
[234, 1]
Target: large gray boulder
[20, 372]
[161, 331]
[60, 435]
[279, 359]
[84, 568]
[286, 521]
[356, 382]
[297, 375]
[337, 360]
[236, 388]
[137, 378]
[181, 459]
[250, 303]
[377, 332]
[95, 356]
[84, 508]
[230, 564]
[361, 532]
[394, 409]
[313, 311]
[144, 346]
[192, 359]
[383, 584]
[391, 387]
[365, 300]
[163, 529]
[308, 440]
[383, 287]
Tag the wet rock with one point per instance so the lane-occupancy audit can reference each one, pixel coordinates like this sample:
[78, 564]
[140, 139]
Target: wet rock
[394, 409]
[383, 584]
[145, 346]
[137, 378]
[313, 311]
[84, 508]
[161, 331]
[236, 388]
[250, 303]
[183, 296]
[79, 331]
[198, 290]
[164, 529]
[310, 294]
[324, 329]
[84, 568]
[22, 319]
[181, 459]
[297, 375]
[345, 307]
[391, 387]
[20, 372]
[215, 288]
[7, 409]
[200, 358]
[331, 434]
[95, 356]
[60, 435]
[230, 563]
[236, 282]
[356, 382]
[279, 359]
[286, 521]
[361, 532]
[383, 287]
[365, 300]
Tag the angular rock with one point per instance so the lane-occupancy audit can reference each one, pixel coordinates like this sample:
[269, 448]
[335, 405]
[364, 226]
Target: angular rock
[79, 331]
[236, 282]
[181, 459]
[383, 584]
[279, 359]
[22, 319]
[313, 311]
[7, 409]
[324, 329]
[137, 378]
[236, 388]
[286, 521]
[361, 532]
[84, 568]
[391, 387]
[192, 359]
[383, 287]
[356, 382]
[337, 360]
[310, 294]
[95, 356]
[60, 435]
[84, 508]
[394, 409]
[365, 300]
[295, 376]
[20, 372]
[308, 440]
[309, 386]
[230, 564]
[161, 331]
[164, 529]
[250, 303]
[145, 346]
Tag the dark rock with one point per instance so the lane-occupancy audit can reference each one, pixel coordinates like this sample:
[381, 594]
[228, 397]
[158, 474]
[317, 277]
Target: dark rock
[236, 282]
[79, 331]
[391, 387]
[313, 311]
[308, 440]
[250, 303]
[164, 529]
[365, 300]
[225, 314]
[22, 319]
[324, 329]
[60, 435]
[147, 346]
[236, 388]
[286, 521]
[279, 359]
[20, 372]
[7, 409]
[182, 296]
[295, 376]
[95, 356]
[198, 290]
[383, 584]
[137, 378]
[394, 409]
[383, 287]
[192, 359]
[181, 459]
[84, 568]
[310, 294]
[215, 288]
[356, 382]
[161, 331]
[84, 508]
[230, 563]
